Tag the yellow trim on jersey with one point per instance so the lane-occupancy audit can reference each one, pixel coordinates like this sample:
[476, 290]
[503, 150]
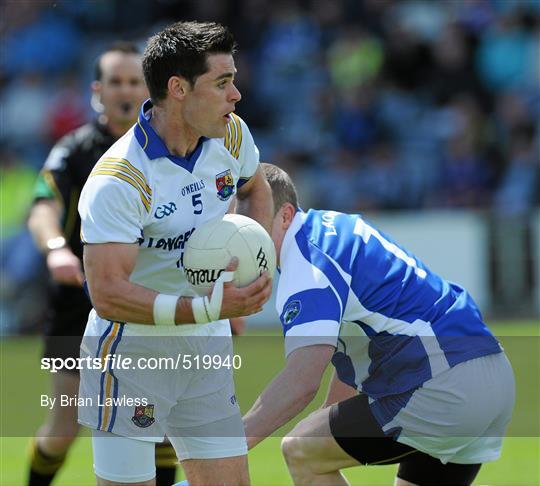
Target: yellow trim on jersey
[145, 134]
[105, 166]
[227, 141]
[108, 341]
[105, 350]
[115, 173]
[119, 175]
[234, 135]
[239, 135]
[125, 171]
[125, 164]
[107, 408]
[233, 138]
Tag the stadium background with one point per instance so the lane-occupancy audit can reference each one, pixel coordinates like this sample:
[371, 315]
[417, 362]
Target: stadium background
[422, 114]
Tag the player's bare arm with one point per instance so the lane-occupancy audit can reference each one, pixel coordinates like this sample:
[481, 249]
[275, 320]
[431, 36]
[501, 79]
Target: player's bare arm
[289, 393]
[44, 225]
[338, 391]
[254, 199]
[109, 266]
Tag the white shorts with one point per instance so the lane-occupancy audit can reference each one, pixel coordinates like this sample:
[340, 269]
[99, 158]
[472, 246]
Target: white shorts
[127, 460]
[461, 415]
[195, 407]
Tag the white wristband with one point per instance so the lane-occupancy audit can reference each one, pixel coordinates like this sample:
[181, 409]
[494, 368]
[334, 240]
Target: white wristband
[165, 309]
[208, 309]
[199, 306]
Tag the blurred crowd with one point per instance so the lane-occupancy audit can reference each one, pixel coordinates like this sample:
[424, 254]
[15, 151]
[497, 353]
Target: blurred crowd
[370, 104]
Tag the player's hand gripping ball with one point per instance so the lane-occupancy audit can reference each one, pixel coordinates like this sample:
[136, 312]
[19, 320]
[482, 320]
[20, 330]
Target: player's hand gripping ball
[212, 245]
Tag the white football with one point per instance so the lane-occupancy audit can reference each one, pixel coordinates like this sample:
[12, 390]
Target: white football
[212, 245]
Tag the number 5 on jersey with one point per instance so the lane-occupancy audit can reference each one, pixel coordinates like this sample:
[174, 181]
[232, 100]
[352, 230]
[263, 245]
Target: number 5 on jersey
[197, 203]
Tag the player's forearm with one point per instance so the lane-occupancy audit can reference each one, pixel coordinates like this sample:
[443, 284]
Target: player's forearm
[44, 222]
[281, 401]
[338, 391]
[123, 301]
[108, 268]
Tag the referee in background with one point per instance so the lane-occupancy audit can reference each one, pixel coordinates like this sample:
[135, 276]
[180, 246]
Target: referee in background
[118, 91]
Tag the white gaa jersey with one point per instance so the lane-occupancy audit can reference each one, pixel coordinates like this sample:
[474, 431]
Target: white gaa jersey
[140, 193]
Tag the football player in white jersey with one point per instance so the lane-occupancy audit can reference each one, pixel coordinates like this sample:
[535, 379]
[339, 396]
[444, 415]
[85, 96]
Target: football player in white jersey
[178, 167]
[436, 389]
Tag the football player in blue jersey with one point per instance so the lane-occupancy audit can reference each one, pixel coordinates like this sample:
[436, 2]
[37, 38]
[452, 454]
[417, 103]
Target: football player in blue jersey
[419, 379]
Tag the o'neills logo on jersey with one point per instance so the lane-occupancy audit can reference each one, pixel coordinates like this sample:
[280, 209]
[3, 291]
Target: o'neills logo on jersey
[193, 187]
[203, 275]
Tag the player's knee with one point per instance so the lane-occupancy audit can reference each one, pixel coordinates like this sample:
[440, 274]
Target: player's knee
[294, 450]
[287, 448]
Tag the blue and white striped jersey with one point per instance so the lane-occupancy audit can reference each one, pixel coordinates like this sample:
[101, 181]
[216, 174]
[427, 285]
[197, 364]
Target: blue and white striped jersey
[395, 324]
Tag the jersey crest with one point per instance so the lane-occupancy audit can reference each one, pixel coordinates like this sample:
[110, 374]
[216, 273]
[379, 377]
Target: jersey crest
[143, 416]
[224, 185]
[290, 313]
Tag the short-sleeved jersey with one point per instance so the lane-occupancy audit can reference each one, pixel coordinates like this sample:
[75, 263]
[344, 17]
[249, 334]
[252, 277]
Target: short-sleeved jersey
[65, 171]
[140, 193]
[395, 324]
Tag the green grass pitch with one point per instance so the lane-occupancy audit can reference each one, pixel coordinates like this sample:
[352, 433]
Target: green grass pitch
[21, 383]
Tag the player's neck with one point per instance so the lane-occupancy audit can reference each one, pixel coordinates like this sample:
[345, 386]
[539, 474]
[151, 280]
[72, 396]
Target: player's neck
[177, 135]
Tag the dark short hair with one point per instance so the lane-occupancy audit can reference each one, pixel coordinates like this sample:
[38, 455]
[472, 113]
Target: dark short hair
[283, 189]
[181, 49]
[124, 47]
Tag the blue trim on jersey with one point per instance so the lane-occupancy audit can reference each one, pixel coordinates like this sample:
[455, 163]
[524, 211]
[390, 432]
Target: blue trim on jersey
[242, 181]
[100, 413]
[115, 382]
[153, 145]
[313, 305]
[103, 336]
[317, 258]
[115, 406]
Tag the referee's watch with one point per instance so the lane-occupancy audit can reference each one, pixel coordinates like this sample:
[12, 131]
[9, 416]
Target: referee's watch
[55, 243]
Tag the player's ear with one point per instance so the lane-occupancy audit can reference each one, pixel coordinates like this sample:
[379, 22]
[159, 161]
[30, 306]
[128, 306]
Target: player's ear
[288, 214]
[178, 87]
[95, 101]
